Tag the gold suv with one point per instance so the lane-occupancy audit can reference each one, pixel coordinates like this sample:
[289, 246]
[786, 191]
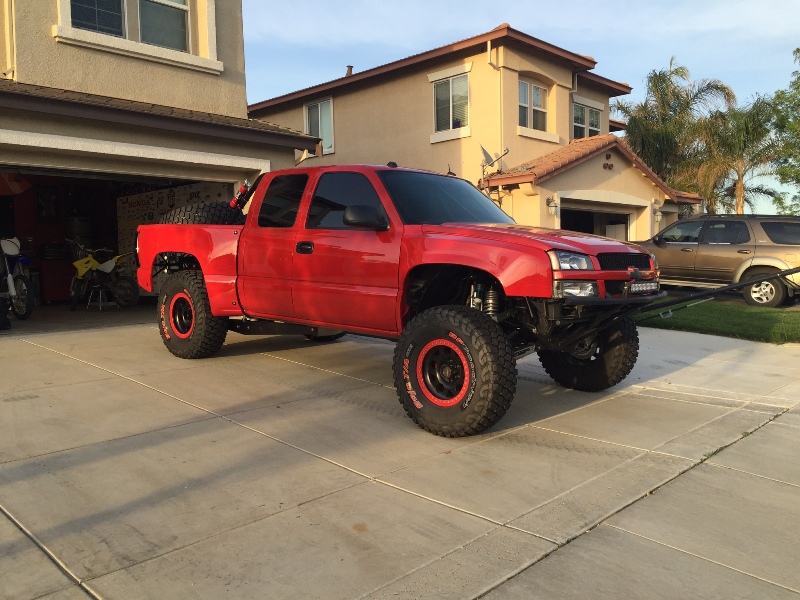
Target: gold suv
[716, 250]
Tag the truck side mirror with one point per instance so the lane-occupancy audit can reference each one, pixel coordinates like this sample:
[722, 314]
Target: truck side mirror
[364, 216]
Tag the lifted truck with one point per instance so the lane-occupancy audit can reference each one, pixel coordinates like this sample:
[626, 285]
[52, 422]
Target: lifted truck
[405, 255]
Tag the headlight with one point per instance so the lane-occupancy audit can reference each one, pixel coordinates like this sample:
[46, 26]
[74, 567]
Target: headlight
[574, 289]
[570, 261]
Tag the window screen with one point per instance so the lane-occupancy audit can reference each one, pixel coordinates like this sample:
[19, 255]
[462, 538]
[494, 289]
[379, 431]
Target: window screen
[334, 193]
[282, 200]
[102, 16]
[164, 25]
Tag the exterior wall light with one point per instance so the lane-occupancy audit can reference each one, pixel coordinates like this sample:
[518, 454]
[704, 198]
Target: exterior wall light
[657, 215]
[552, 206]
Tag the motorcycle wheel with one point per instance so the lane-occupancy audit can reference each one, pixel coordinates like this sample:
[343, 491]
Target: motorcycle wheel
[77, 287]
[22, 304]
[126, 291]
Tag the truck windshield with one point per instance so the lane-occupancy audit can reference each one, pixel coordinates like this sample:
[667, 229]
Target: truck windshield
[430, 199]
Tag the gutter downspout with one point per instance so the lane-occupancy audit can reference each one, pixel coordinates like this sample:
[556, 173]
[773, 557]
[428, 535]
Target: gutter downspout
[10, 68]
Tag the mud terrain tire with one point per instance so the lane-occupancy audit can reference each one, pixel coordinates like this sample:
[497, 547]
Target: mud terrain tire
[204, 213]
[598, 363]
[454, 371]
[188, 329]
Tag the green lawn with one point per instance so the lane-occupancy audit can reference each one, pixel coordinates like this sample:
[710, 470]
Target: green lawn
[731, 318]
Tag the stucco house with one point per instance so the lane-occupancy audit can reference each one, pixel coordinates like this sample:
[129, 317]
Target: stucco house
[112, 111]
[503, 89]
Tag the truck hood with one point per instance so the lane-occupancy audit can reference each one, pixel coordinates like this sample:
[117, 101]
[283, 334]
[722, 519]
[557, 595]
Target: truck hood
[535, 237]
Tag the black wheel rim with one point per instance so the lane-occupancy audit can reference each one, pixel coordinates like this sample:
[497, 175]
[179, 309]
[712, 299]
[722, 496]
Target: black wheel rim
[441, 371]
[182, 316]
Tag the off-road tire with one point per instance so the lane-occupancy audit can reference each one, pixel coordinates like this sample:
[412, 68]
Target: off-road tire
[325, 338]
[22, 305]
[770, 293]
[188, 329]
[617, 348]
[454, 371]
[204, 213]
[126, 291]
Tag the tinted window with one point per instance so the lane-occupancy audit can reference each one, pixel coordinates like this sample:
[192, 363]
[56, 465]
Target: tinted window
[683, 232]
[428, 199]
[279, 208]
[727, 232]
[334, 193]
[782, 232]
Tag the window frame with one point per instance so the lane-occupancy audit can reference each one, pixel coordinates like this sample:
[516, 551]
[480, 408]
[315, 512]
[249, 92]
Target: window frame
[201, 55]
[450, 130]
[306, 128]
[529, 107]
[588, 130]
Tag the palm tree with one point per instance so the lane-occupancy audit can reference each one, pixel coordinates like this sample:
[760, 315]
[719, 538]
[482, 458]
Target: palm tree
[738, 149]
[663, 128]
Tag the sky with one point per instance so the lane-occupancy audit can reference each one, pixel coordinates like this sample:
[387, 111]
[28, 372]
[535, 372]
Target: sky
[747, 44]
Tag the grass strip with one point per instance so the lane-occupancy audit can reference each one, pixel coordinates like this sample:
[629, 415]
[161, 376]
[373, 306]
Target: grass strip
[733, 319]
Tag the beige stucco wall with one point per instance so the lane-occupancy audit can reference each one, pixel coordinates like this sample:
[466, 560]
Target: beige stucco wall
[624, 189]
[391, 118]
[42, 60]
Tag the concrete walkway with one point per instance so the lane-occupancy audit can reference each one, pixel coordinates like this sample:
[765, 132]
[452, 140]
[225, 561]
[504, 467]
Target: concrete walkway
[286, 469]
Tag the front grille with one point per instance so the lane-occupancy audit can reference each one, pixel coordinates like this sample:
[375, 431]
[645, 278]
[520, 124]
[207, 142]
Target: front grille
[619, 261]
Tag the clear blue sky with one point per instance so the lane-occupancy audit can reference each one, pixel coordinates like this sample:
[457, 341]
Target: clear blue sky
[748, 44]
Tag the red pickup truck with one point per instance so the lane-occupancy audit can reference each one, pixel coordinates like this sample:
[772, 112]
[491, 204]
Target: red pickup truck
[407, 255]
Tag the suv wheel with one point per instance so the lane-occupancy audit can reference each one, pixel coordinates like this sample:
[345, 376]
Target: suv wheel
[767, 293]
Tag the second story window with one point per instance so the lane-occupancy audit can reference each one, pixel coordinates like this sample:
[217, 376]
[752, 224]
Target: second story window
[532, 106]
[102, 16]
[319, 123]
[585, 121]
[451, 103]
[164, 23]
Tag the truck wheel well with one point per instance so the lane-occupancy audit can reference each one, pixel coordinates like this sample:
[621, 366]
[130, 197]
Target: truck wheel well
[433, 285]
[172, 262]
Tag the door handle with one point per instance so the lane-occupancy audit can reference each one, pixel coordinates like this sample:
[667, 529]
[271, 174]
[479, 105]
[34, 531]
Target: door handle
[687, 249]
[743, 251]
[305, 247]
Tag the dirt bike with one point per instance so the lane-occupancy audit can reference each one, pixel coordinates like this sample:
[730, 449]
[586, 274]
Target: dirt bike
[93, 275]
[14, 283]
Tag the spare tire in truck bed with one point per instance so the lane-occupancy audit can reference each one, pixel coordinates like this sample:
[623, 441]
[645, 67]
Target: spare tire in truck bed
[204, 213]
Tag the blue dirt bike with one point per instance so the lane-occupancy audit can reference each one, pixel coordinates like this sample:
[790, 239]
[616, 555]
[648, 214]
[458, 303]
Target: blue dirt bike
[14, 283]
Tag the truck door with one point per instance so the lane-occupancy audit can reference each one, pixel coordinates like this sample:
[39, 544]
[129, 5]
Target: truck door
[343, 275]
[677, 249]
[267, 247]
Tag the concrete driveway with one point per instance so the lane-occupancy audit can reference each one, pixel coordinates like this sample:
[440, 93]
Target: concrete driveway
[286, 469]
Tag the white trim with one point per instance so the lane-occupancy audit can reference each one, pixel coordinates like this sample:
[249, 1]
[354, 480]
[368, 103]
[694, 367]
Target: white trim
[451, 72]
[451, 134]
[586, 102]
[605, 196]
[87, 147]
[115, 45]
[537, 135]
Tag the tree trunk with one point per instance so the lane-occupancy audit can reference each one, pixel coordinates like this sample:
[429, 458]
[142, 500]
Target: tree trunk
[739, 194]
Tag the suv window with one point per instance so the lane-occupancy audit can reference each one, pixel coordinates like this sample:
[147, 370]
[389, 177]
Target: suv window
[686, 232]
[782, 232]
[335, 192]
[279, 208]
[726, 232]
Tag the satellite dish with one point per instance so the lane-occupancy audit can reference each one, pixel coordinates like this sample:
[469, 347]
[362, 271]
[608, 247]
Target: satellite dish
[487, 158]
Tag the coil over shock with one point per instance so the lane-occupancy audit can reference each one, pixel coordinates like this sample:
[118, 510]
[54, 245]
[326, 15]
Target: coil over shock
[488, 300]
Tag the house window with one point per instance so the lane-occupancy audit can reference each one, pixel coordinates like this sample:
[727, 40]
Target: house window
[585, 121]
[164, 23]
[319, 123]
[451, 102]
[532, 106]
[102, 16]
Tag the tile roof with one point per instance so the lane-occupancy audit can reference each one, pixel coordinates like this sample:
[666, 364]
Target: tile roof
[142, 108]
[576, 152]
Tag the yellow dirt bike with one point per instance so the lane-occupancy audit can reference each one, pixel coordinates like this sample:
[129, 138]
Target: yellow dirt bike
[95, 276]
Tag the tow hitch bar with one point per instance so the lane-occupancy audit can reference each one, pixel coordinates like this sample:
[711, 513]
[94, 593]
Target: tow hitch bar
[709, 294]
